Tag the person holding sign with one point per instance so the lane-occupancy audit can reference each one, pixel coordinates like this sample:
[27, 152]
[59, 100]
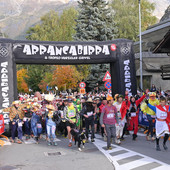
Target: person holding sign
[88, 112]
[108, 119]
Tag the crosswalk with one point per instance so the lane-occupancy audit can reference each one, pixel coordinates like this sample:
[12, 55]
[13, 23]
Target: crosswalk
[123, 158]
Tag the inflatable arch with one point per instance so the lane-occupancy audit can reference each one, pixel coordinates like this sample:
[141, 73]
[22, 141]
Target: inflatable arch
[119, 53]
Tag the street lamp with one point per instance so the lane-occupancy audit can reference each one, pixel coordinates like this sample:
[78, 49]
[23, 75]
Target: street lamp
[140, 39]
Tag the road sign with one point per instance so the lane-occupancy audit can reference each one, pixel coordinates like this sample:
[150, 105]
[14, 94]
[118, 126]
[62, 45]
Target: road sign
[82, 91]
[82, 85]
[108, 85]
[107, 76]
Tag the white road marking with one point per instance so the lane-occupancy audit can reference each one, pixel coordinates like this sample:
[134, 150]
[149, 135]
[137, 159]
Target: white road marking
[132, 163]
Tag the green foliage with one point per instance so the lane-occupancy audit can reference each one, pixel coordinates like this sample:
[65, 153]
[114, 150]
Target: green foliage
[127, 17]
[54, 27]
[36, 74]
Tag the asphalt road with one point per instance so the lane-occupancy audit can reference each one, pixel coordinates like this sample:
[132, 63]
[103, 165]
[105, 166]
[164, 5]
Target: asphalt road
[33, 157]
[136, 155]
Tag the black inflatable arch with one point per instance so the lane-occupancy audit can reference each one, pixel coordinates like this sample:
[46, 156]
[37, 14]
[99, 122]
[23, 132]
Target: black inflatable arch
[119, 53]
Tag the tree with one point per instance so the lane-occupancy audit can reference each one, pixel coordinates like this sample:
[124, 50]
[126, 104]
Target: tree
[36, 74]
[21, 84]
[127, 17]
[66, 75]
[46, 81]
[95, 22]
[54, 27]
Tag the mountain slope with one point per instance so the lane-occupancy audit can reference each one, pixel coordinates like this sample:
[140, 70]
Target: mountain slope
[16, 16]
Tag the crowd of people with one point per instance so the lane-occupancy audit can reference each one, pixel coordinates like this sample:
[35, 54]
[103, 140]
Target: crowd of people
[112, 117]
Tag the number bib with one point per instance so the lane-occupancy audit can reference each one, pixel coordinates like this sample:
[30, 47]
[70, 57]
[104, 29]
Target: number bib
[110, 115]
[39, 126]
[90, 113]
[20, 124]
[133, 114]
[71, 113]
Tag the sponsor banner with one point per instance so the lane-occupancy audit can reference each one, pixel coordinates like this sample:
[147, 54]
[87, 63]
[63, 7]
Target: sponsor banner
[6, 75]
[125, 69]
[61, 53]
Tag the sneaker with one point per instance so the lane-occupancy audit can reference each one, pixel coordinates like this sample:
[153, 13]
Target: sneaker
[27, 137]
[19, 142]
[158, 148]
[49, 143]
[55, 143]
[165, 147]
[153, 139]
[148, 138]
[92, 140]
[70, 145]
[109, 148]
[87, 141]
[122, 139]
[12, 141]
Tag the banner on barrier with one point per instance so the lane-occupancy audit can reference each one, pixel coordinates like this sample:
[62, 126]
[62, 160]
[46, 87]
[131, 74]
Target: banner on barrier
[2, 126]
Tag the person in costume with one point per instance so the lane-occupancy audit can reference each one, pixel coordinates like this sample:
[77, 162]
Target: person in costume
[162, 113]
[88, 112]
[133, 114]
[16, 115]
[51, 125]
[150, 114]
[70, 114]
[36, 122]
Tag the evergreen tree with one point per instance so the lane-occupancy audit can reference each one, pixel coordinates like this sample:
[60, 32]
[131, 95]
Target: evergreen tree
[95, 23]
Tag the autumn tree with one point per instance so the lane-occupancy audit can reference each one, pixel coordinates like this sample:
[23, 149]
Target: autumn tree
[21, 84]
[66, 75]
[46, 81]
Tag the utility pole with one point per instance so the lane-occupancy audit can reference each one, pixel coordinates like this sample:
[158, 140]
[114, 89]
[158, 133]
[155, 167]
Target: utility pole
[140, 39]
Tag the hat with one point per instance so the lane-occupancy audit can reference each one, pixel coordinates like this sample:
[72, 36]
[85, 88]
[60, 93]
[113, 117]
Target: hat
[153, 94]
[109, 97]
[89, 100]
[16, 102]
[97, 98]
[49, 97]
[36, 105]
[119, 96]
[50, 107]
[70, 100]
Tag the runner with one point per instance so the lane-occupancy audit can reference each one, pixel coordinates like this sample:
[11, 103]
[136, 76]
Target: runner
[88, 112]
[121, 113]
[134, 111]
[70, 114]
[51, 125]
[16, 115]
[150, 114]
[161, 126]
[108, 119]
